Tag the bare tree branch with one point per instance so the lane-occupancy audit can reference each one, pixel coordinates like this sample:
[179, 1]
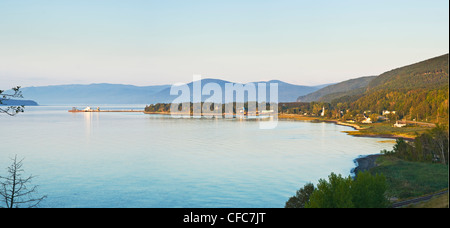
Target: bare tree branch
[14, 189]
[11, 110]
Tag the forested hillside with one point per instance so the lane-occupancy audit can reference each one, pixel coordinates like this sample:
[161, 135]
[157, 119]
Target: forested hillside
[428, 74]
[415, 92]
[331, 92]
[419, 91]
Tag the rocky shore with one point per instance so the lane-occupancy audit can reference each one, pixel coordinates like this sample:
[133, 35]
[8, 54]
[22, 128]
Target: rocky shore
[365, 163]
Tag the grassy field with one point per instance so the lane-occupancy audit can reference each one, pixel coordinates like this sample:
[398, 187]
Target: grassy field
[382, 129]
[435, 202]
[411, 179]
[387, 130]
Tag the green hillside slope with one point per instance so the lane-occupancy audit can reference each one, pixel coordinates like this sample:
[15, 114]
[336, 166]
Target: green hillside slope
[429, 74]
[418, 91]
[334, 91]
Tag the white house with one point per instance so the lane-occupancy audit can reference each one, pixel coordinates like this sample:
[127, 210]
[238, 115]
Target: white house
[385, 112]
[266, 111]
[399, 124]
[367, 120]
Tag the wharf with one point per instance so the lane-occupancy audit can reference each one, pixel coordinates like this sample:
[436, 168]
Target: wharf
[98, 110]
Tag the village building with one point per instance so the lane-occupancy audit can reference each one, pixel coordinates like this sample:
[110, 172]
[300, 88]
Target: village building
[399, 124]
[367, 121]
[386, 112]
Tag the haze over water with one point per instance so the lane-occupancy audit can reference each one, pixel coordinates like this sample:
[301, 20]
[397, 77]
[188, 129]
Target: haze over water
[139, 160]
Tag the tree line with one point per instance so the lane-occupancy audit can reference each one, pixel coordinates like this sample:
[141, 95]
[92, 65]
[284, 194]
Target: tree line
[431, 146]
[367, 190]
[363, 191]
[236, 107]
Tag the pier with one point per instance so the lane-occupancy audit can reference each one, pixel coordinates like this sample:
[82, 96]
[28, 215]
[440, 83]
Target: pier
[88, 109]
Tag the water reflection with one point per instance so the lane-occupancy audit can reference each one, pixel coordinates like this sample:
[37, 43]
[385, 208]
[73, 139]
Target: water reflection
[90, 119]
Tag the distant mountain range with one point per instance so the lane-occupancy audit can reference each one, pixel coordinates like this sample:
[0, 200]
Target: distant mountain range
[364, 92]
[286, 92]
[129, 94]
[91, 94]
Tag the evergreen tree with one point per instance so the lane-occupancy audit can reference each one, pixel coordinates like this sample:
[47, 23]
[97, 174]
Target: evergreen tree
[301, 197]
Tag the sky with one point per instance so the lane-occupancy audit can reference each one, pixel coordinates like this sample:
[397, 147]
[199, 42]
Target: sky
[149, 42]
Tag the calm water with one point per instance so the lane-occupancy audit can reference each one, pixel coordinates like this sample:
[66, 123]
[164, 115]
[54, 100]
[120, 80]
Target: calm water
[138, 160]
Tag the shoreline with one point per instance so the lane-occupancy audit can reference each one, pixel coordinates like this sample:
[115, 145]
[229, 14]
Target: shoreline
[337, 122]
[316, 119]
[385, 136]
[364, 163]
[319, 120]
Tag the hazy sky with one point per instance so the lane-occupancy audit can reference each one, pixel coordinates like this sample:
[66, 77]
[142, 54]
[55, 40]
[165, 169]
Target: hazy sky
[163, 42]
